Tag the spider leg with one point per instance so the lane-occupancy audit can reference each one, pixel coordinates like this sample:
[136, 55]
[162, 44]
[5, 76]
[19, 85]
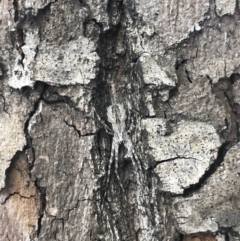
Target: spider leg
[135, 161]
[107, 128]
[136, 158]
[131, 151]
[128, 120]
[129, 127]
[116, 167]
[109, 168]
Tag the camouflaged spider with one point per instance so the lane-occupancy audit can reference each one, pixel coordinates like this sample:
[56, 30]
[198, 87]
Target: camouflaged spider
[117, 117]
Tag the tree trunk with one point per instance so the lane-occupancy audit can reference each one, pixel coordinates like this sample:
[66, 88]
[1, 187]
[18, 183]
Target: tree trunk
[119, 120]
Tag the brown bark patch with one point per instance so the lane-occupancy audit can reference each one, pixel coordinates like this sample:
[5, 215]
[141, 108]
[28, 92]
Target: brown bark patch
[20, 202]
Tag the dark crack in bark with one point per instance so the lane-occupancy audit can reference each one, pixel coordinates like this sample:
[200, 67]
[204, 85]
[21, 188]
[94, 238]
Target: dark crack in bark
[78, 131]
[4, 104]
[211, 170]
[16, 193]
[16, 10]
[43, 202]
[20, 43]
[172, 159]
[41, 88]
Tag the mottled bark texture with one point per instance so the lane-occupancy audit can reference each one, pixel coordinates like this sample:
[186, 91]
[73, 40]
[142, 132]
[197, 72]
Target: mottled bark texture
[119, 120]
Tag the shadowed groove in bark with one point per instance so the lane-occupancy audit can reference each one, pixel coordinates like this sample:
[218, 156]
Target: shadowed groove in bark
[4, 104]
[16, 10]
[20, 38]
[41, 87]
[43, 202]
[13, 194]
[211, 170]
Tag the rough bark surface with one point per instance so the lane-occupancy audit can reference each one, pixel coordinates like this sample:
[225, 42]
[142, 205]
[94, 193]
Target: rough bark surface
[119, 120]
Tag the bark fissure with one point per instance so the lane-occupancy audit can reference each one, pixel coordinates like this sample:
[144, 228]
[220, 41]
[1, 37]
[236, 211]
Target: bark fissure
[20, 38]
[29, 145]
[4, 104]
[16, 10]
[173, 159]
[16, 193]
[211, 170]
[31, 114]
[78, 131]
[43, 202]
[74, 127]
[46, 8]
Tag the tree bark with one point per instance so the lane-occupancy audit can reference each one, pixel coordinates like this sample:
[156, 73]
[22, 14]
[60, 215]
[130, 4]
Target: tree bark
[119, 120]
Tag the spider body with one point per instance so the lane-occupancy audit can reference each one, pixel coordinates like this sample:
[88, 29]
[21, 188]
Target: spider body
[117, 117]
